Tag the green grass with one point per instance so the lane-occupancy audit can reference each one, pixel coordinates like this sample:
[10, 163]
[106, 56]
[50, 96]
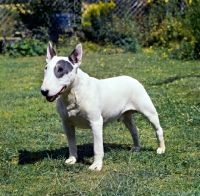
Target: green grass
[33, 147]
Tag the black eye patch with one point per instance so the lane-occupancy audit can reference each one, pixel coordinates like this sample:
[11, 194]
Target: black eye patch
[62, 67]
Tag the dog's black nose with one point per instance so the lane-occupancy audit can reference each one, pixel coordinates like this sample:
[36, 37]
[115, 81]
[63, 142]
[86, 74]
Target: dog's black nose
[44, 92]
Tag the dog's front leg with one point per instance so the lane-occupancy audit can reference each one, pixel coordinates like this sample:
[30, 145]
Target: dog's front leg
[70, 133]
[97, 130]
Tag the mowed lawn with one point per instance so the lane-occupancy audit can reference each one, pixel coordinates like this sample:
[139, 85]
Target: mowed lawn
[33, 147]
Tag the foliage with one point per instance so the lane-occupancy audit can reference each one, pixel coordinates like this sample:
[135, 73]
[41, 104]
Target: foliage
[189, 47]
[125, 35]
[170, 32]
[26, 47]
[185, 51]
[179, 33]
[96, 18]
[41, 14]
[193, 17]
[9, 14]
[102, 26]
[33, 147]
[173, 34]
[30, 12]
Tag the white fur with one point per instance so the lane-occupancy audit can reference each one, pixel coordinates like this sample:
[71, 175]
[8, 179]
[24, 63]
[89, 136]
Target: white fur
[91, 103]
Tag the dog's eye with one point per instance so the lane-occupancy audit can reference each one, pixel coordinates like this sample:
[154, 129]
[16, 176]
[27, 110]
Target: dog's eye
[60, 69]
[45, 68]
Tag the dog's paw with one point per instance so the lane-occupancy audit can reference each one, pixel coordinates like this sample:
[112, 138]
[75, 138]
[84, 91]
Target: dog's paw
[96, 166]
[135, 149]
[70, 160]
[160, 150]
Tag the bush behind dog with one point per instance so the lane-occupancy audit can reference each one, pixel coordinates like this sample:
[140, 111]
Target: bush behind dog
[26, 47]
[101, 25]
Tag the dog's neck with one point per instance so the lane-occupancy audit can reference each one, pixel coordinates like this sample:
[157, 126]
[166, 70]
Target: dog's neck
[71, 98]
[77, 84]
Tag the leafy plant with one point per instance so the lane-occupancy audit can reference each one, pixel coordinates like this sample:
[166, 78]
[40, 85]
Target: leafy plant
[41, 14]
[26, 47]
[128, 44]
[193, 23]
[101, 25]
[185, 51]
[96, 20]
[179, 33]
[170, 31]
[8, 18]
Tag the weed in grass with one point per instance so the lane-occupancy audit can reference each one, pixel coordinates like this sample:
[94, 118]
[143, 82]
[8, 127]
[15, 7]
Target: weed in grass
[33, 147]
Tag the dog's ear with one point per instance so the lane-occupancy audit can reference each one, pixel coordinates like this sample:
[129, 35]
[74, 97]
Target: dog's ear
[76, 56]
[50, 52]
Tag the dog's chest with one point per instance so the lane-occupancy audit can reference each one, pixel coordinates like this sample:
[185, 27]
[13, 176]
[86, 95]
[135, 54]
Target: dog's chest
[71, 104]
[69, 109]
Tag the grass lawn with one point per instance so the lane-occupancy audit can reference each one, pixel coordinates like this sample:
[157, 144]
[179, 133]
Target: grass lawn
[33, 147]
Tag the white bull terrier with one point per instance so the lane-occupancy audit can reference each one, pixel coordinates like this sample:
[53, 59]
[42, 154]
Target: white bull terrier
[86, 102]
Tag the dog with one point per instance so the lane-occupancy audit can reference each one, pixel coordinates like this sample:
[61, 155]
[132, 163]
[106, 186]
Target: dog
[90, 103]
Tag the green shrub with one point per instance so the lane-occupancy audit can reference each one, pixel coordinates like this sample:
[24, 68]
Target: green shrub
[185, 51]
[41, 14]
[180, 34]
[125, 35]
[97, 20]
[169, 32]
[100, 25]
[189, 47]
[8, 18]
[176, 35]
[193, 18]
[26, 47]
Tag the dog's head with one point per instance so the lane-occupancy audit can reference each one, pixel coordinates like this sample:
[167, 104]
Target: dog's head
[60, 72]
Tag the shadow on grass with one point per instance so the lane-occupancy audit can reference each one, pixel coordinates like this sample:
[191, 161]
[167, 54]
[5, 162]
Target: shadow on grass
[172, 79]
[86, 150]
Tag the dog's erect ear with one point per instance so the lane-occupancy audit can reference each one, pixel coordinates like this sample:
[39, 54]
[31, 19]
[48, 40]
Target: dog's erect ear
[76, 56]
[50, 52]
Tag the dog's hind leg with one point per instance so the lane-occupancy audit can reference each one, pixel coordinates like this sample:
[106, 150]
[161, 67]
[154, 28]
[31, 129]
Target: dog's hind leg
[127, 119]
[153, 118]
[150, 112]
[70, 133]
